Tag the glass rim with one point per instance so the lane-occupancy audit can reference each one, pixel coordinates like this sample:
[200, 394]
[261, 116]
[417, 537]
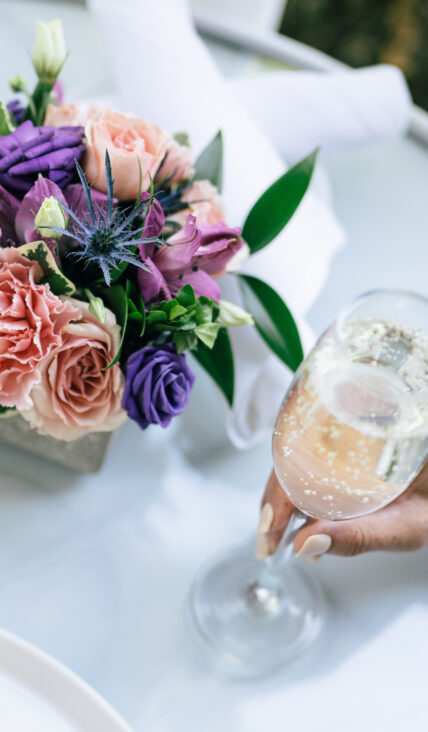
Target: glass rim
[403, 293]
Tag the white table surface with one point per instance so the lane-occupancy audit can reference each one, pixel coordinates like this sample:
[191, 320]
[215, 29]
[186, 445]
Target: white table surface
[95, 570]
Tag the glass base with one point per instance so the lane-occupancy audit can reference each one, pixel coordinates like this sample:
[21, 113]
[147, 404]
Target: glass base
[253, 630]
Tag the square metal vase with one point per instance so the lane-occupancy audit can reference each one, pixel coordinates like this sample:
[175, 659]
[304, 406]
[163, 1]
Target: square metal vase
[85, 455]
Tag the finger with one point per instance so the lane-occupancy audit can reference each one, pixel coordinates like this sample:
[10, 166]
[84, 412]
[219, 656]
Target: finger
[275, 515]
[402, 526]
[420, 483]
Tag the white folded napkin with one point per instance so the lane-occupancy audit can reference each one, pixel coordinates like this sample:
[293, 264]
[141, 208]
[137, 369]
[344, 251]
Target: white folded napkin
[164, 73]
[300, 110]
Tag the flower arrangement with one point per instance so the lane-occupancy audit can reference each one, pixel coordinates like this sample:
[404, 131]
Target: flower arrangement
[113, 243]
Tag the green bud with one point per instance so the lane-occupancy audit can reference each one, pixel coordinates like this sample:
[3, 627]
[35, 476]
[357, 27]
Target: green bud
[232, 315]
[96, 306]
[50, 213]
[6, 124]
[49, 50]
[17, 83]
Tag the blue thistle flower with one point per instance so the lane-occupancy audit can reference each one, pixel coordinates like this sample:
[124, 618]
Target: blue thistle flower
[170, 199]
[106, 236]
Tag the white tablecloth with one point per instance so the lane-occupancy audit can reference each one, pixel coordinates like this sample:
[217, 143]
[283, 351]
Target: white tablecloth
[96, 571]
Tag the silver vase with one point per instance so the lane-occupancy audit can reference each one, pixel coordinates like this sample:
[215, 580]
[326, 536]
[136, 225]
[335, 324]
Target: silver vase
[85, 455]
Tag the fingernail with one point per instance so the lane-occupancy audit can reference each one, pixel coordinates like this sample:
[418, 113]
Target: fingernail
[313, 560]
[315, 545]
[266, 518]
[265, 522]
[262, 547]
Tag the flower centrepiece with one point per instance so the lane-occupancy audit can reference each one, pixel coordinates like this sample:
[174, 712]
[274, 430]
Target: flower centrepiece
[113, 267]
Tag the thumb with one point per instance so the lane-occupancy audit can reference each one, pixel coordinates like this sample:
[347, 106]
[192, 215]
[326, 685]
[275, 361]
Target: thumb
[401, 526]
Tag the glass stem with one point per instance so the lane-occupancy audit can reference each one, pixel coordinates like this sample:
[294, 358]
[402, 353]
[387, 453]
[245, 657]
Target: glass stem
[264, 592]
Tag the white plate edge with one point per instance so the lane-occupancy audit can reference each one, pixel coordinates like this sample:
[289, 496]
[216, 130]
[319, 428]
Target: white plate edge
[45, 661]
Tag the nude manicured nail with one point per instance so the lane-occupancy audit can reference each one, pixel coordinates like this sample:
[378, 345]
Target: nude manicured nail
[265, 522]
[315, 545]
[266, 518]
[262, 547]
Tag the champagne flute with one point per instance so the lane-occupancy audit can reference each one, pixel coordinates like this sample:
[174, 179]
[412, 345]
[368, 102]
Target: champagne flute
[351, 435]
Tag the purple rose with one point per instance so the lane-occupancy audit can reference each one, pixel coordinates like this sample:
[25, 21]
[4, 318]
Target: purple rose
[157, 386]
[30, 151]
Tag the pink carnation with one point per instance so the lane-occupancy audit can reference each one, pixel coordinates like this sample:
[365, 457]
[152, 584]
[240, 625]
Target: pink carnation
[31, 320]
[76, 393]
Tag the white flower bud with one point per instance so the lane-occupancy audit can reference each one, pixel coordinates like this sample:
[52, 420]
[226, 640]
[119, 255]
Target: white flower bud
[50, 213]
[96, 306]
[49, 50]
[232, 315]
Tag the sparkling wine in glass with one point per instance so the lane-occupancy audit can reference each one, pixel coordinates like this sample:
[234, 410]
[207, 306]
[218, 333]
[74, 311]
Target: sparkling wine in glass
[351, 434]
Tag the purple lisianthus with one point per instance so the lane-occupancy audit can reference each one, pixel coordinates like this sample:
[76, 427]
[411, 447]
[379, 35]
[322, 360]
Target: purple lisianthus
[8, 209]
[154, 223]
[157, 386]
[29, 206]
[17, 217]
[172, 266]
[16, 110]
[75, 197]
[219, 245]
[30, 151]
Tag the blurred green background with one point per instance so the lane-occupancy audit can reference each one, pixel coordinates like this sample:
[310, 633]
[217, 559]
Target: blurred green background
[364, 32]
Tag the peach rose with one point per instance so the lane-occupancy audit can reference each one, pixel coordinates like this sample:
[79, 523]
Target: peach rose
[131, 142]
[31, 320]
[178, 163]
[204, 203]
[76, 395]
[66, 115]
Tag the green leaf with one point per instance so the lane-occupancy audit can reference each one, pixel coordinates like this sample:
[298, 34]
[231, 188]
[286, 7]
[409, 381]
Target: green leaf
[182, 138]
[277, 205]
[38, 251]
[176, 311]
[118, 301]
[207, 333]
[186, 296]
[136, 305]
[6, 124]
[273, 320]
[156, 316]
[184, 341]
[218, 363]
[209, 164]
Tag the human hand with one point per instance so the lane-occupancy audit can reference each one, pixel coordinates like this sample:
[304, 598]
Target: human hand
[400, 526]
